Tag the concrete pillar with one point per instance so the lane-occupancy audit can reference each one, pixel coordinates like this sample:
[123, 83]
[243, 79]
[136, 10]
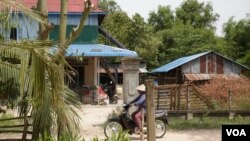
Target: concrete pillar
[130, 66]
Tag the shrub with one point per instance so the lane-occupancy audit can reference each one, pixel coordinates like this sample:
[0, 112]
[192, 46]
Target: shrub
[218, 89]
[115, 112]
[120, 136]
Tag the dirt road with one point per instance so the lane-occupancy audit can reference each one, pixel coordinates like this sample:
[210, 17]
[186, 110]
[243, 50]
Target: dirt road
[94, 116]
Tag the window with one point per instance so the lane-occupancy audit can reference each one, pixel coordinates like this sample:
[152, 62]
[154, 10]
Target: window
[13, 33]
[1, 36]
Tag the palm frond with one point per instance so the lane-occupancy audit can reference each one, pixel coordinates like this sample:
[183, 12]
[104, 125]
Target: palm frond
[26, 44]
[16, 7]
[24, 72]
[8, 70]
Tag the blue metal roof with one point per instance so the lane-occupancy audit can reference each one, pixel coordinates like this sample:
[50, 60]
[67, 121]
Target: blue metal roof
[97, 50]
[178, 62]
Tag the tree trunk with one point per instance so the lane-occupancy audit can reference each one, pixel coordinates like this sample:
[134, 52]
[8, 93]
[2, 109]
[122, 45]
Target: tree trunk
[64, 43]
[43, 32]
[62, 38]
[25, 127]
[105, 65]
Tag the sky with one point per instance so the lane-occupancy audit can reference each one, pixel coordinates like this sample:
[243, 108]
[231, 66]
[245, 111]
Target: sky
[225, 8]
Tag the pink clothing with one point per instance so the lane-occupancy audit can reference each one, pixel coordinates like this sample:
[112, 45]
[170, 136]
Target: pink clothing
[137, 117]
[101, 92]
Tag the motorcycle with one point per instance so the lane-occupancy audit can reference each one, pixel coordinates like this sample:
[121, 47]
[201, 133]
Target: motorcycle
[124, 122]
[110, 90]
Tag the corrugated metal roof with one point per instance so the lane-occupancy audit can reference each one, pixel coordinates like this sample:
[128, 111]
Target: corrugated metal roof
[54, 5]
[196, 77]
[178, 62]
[97, 50]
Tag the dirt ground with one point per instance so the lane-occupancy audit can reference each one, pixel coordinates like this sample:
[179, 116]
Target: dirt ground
[94, 116]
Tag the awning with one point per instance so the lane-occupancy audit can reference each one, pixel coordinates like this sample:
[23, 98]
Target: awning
[198, 77]
[195, 77]
[97, 50]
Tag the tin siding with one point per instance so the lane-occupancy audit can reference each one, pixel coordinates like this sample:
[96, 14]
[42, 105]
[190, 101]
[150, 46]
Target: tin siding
[5, 33]
[231, 68]
[87, 36]
[203, 65]
[28, 28]
[195, 66]
[185, 69]
[191, 67]
[211, 63]
[220, 65]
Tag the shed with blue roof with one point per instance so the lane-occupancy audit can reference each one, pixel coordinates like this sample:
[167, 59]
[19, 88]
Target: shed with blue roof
[198, 67]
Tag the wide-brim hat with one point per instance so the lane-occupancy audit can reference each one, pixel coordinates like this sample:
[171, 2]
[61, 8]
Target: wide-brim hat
[141, 87]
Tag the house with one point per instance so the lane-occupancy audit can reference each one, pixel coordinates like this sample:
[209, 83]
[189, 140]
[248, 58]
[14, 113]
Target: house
[198, 68]
[85, 52]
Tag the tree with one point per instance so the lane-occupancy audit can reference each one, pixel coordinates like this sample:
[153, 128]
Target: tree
[118, 24]
[142, 40]
[237, 35]
[64, 119]
[109, 6]
[187, 31]
[163, 19]
[135, 34]
[196, 14]
[182, 40]
[246, 59]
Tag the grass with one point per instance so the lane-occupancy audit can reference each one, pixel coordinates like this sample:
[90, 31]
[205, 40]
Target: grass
[205, 122]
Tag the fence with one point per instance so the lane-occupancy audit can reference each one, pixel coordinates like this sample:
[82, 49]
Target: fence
[16, 125]
[180, 97]
[186, 100]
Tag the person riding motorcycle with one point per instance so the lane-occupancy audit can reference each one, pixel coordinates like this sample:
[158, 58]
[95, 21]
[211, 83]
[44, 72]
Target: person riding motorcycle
[139, 101]
[123, 121]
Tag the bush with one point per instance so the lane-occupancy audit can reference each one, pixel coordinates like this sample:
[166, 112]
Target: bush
[115, 112]
[218, 89]
[120, 136]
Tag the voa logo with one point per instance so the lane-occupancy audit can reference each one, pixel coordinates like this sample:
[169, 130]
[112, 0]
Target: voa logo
[236, 132]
